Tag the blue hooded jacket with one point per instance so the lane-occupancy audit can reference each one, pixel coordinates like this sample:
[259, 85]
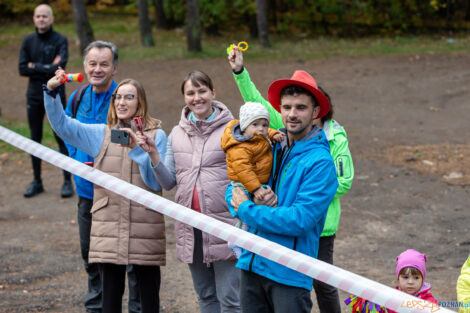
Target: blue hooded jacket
[304, 179]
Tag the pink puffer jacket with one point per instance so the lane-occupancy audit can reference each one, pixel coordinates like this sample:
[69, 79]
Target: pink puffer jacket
[200, 162]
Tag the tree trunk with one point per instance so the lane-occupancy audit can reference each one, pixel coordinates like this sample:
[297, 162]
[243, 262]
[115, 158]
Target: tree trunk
[467, 11]
[253, 24]
[272, 8]
[262, 20]
[84, 30]
[193, 26]
[160, 17]
[144, 23]
[448, 14]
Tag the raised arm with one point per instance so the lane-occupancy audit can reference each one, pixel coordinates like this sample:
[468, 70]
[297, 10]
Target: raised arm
[68, 111]
[248, 89]
[86, 137]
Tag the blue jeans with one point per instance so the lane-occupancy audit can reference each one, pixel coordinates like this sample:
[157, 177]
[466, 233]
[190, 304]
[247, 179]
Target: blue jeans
[94, 294]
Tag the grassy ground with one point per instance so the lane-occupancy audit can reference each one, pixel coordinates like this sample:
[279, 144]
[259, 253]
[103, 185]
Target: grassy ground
[122, 29]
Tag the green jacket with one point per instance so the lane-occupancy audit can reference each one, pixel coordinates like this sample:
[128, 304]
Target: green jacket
[339, 149]
[463, 287]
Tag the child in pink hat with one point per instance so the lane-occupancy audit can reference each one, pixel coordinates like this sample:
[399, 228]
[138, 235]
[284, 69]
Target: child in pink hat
[410, 272]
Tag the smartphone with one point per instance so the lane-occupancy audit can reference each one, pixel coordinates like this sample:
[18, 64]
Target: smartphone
[120, 136]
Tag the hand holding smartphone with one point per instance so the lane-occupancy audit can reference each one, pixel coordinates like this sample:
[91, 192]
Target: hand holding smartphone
[120, 136]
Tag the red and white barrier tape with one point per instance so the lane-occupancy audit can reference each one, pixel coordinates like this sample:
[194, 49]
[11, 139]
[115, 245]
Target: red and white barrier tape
[330, 274]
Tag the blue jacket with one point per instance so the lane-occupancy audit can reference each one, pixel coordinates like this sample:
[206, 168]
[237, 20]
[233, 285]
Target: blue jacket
[304, 179]
[93, 109]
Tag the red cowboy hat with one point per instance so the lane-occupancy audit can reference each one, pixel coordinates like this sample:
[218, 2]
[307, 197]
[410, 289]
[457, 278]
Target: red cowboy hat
[302, 79]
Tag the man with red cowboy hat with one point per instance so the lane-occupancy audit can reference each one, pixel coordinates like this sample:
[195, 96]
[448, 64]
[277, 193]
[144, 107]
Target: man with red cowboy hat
[304, 180]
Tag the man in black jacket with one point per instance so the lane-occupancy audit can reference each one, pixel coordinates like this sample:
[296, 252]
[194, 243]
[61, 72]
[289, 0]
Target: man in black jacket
[42, 52]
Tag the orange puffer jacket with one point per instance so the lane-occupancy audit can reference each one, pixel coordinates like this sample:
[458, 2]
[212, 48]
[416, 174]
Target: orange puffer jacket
[249, 159]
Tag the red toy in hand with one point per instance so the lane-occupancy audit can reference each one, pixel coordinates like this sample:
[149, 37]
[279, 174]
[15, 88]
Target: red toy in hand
[139, 123]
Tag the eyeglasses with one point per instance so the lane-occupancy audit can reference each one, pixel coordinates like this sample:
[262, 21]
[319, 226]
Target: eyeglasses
[128, 97]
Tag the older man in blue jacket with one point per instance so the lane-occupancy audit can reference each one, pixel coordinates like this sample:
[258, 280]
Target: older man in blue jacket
[304, 179]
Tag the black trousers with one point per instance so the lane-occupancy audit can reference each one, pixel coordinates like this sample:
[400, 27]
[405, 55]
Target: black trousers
[113, 285]
[262, 295]
[327, 296]
[36, 112]
[94, 294]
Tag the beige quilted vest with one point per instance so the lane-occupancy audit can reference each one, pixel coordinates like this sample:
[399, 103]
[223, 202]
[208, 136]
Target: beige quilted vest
[123, 231]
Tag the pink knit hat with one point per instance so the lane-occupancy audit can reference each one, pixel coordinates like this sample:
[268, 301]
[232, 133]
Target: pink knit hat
[411, 258]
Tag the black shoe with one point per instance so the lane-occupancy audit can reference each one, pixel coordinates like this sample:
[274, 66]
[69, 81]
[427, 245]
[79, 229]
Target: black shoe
[33, 189]
[67, 189]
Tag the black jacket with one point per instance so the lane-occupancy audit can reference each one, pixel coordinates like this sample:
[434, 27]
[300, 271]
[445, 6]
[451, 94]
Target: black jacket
[41, 49]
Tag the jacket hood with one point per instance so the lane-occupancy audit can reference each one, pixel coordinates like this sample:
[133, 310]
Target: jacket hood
[333, 128]
[233, 135]
[223, 116]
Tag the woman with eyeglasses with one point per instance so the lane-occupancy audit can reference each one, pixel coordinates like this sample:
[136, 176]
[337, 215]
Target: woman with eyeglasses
[123, 232]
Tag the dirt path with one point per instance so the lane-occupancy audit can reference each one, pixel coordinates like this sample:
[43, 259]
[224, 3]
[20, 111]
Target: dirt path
[388, 104]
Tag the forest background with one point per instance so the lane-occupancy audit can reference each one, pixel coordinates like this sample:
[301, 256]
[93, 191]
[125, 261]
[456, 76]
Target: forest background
[260, 18]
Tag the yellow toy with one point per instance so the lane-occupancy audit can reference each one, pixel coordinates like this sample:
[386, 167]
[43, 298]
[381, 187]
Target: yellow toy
[242, 46]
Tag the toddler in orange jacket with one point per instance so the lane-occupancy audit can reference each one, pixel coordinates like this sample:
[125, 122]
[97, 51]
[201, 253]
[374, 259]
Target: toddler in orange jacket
[247, 144]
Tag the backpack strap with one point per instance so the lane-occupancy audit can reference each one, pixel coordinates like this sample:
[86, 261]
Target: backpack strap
[77, 97]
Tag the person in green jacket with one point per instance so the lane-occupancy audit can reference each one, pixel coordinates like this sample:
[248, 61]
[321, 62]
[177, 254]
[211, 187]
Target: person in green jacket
[463, 288]
[327, 296]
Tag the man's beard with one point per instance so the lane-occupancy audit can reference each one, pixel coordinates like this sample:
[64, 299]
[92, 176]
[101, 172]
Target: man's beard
[297, 131]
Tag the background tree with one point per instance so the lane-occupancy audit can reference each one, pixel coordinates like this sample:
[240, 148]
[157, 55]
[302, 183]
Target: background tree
[305, 18]
[84, 30]
[160, 16]
[144, 23]
[193, 26]
[244, 13]
[262, 20]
